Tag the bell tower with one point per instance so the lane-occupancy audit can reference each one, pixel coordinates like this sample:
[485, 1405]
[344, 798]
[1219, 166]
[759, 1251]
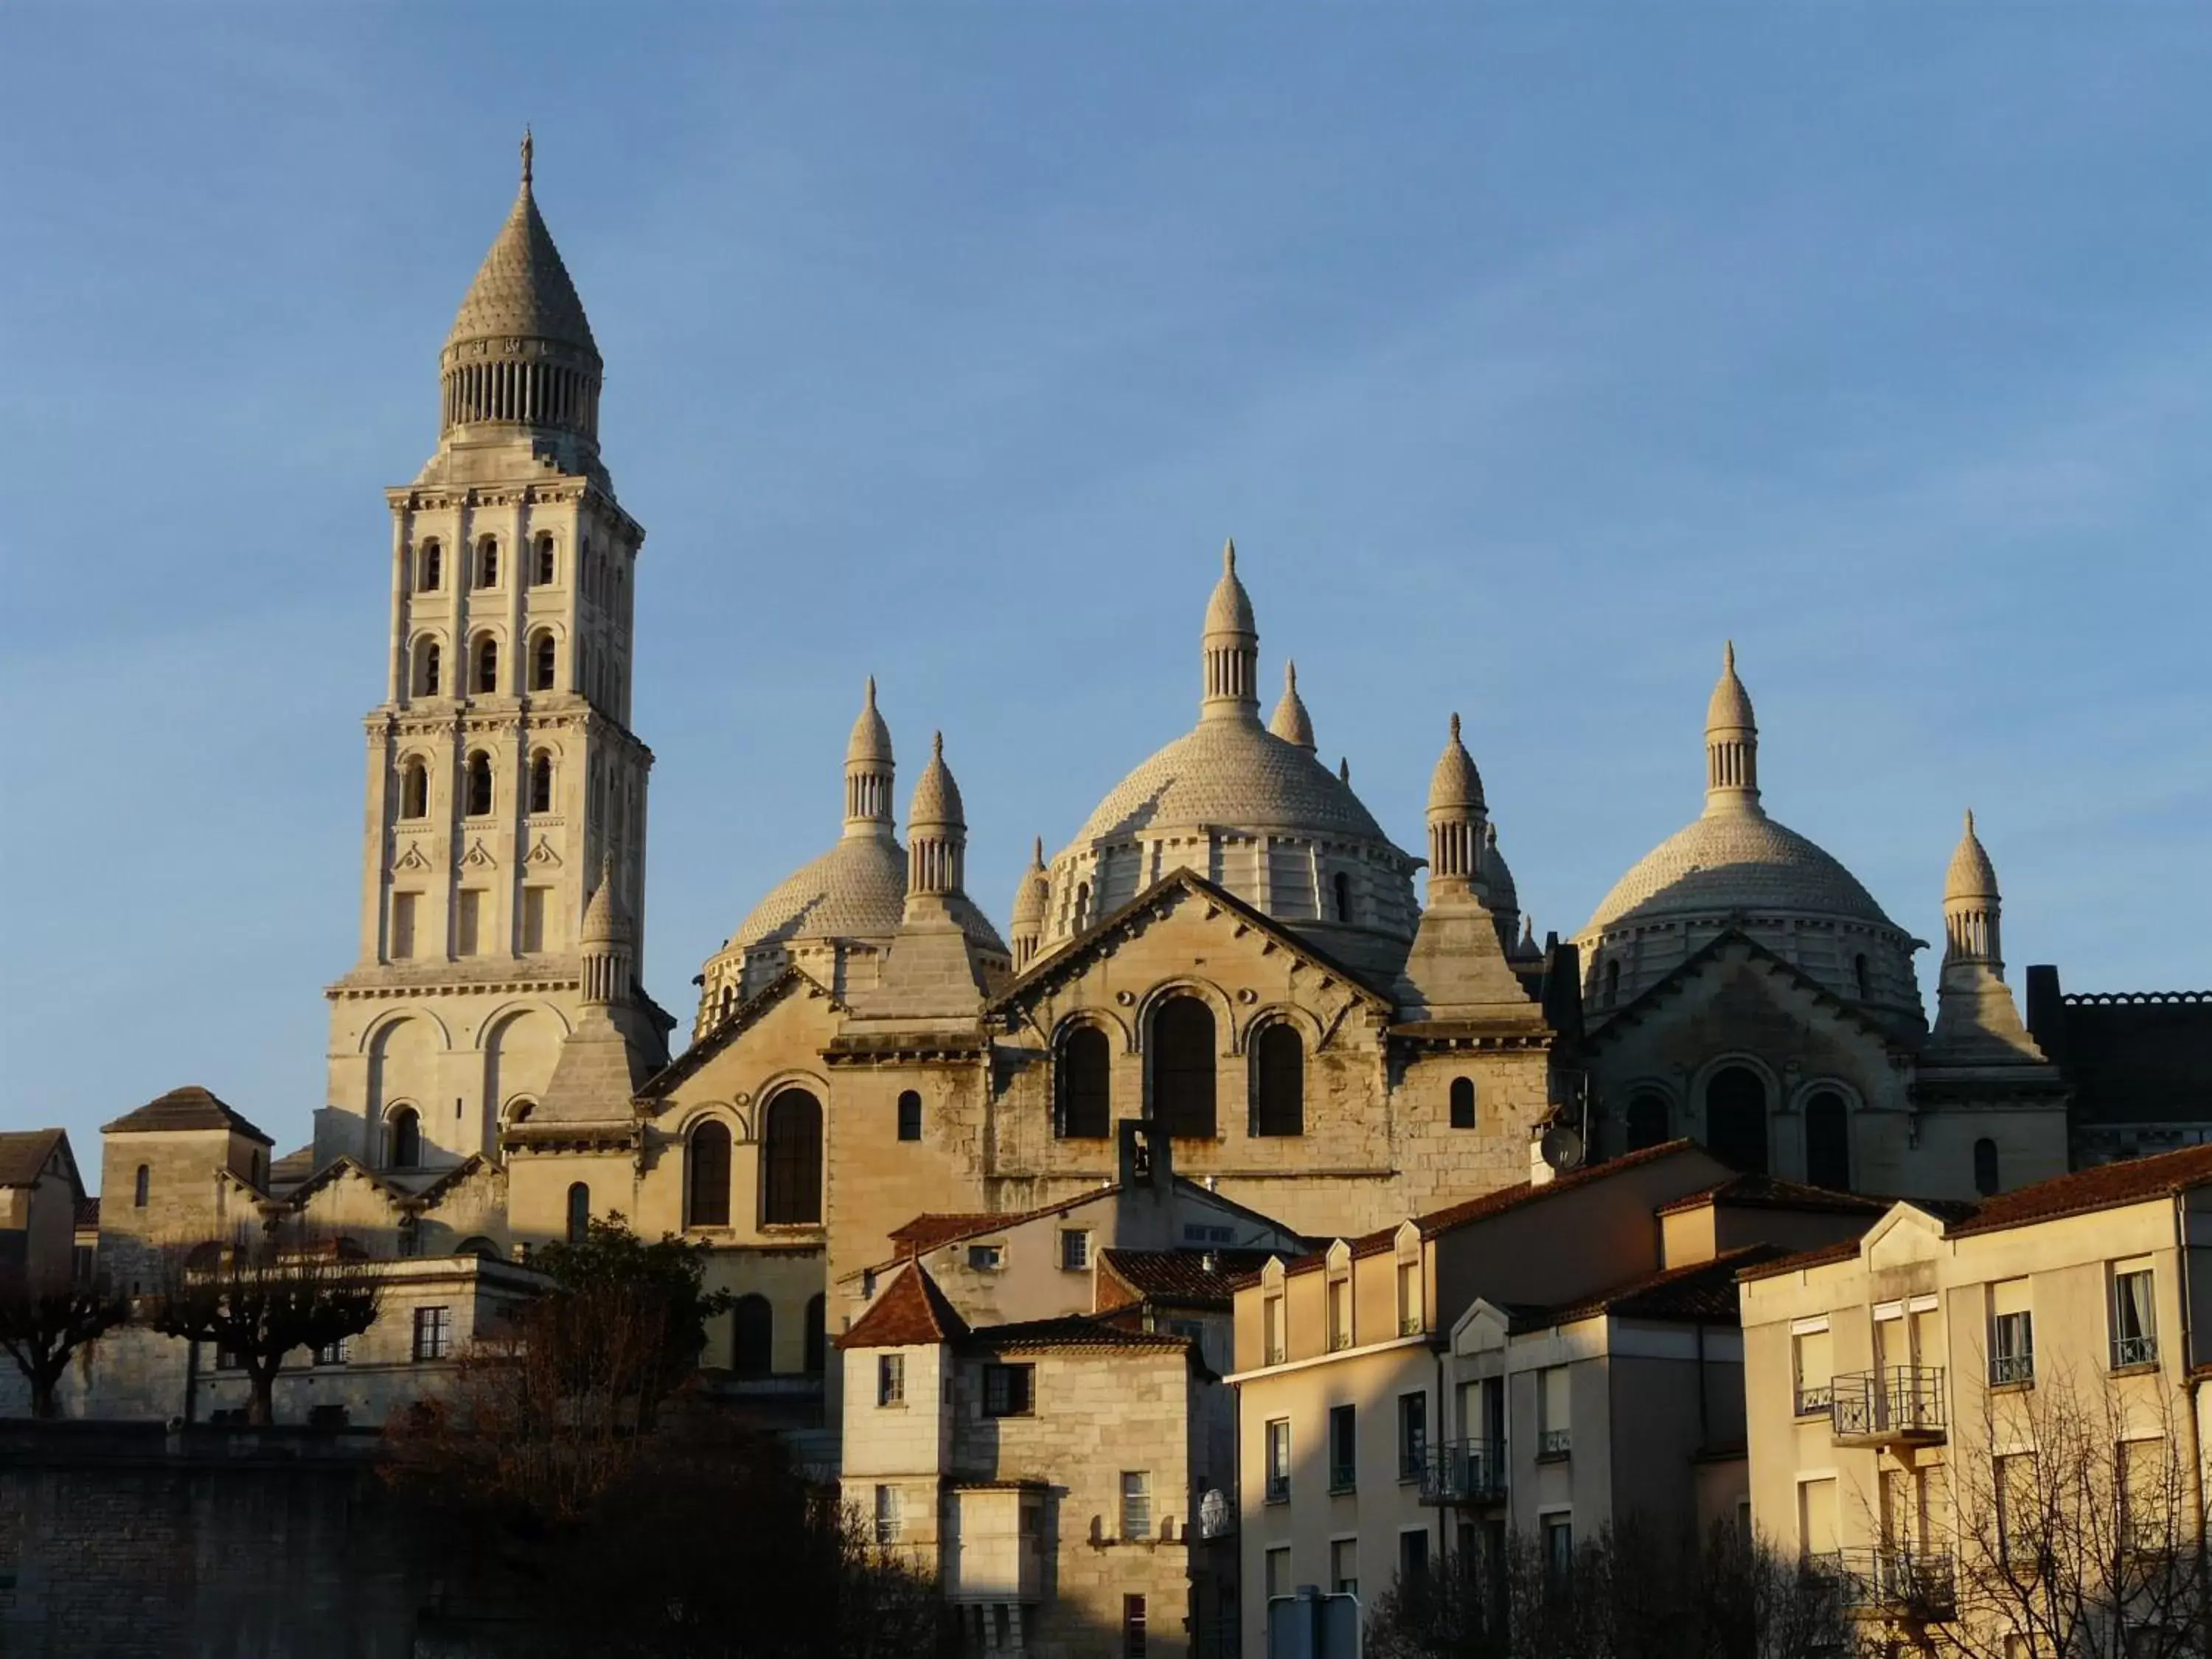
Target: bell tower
[502, 773]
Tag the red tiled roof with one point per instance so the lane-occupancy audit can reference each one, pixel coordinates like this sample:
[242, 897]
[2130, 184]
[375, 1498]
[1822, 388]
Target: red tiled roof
[24, 1153]
[1702, 1291]
[1071, 1331]
[189, 1107]
[2106, 1187]
[927, 1231]
[88, 1212]
[1182, 1277]
[910, 1311]
[1765, 1192]
[1844, 1250]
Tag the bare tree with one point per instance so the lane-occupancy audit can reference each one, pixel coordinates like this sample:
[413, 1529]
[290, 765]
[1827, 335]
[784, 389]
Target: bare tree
[44, 1324]
[2074, 1523]
[263, 1294]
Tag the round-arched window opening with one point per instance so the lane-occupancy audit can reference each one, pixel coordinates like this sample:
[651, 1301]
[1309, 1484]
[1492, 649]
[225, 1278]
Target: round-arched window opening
[1613, 982]
[487, 562]
[1463, 1103]
[1087, 1087]
[1647, 1120]
[580, 1213]
[142, 1186]
[542, 661]
[1735, 1119]
[487, 665]
[415, 790]
[541, 782]
[543, 575]
[1341, 882]
[428, 664]
[1985, 1167]
[752, 1329]
[429, 569]
[479, 785]
[791, 1160]
[404, 1130]
[1859, 974]
[1183, 1055]
[1082, 905]
[707, 1176]
[1828, 1141]
[909, 1115]
[1278, 1081]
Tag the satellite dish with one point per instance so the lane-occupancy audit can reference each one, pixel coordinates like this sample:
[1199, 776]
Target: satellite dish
[1562, 1146]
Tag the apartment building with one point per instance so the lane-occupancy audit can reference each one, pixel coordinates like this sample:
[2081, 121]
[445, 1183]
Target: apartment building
[1967, 1390]
[1545, 1358]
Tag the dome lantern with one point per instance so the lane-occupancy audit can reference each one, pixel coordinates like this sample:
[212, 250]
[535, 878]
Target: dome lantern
[1232, 648]
[1971, 907]
[869, 772]
[1456, 817]
[1032, 902]
[1731, 743]
[937, 832]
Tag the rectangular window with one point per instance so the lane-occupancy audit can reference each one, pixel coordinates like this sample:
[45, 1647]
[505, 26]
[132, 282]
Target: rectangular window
[335, 1353]
[533, 919]
[1278, 1571]
[1194, 1233]
[468, 916]
[2135, 1319]
[890, 1379]
[1009, 1390]
[1271, 1320]
[227, 1359]
[890, 1515]
[1413, 1557]
[1136, 1504]
[986, 1258]
[2019, 1512]
[1815, 1354]
[1344, 1566]
[1816, 1518]
[1340, 1314]
[1558, 1551]
[434, 1333]
[2012, 1333]
[1409, 1298]
[1412, 1434]
[1554, 1436]
[403, 926]
[1343, 1448]
[1075, 1250]
[1278, 1461]
[1133, 1627]
[2148, 1476]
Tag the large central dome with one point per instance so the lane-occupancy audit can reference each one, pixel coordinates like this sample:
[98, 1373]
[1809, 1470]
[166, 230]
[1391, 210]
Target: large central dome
[1250, 808]
[1734, 863]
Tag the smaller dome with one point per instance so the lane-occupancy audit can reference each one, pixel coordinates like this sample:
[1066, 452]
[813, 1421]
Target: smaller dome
[871, 743]
[1971, 876]
[1455, 786]
[1230, 610]
[605, 921]
[936, 796]
[1291, 722]
[1497, 874]
[857, 889]
[1730, 708]
[1033, 897]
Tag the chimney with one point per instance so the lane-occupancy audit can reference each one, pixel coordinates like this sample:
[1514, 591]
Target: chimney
[1145, 1157]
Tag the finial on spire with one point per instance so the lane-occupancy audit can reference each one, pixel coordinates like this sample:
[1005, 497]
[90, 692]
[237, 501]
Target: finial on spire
[1228, 556]
[937, 745]
[1344, 771]
[1727, 656]
[1290, 675]
[1036, 851]
[1454, 727]
[529, 145]
[1969, 820]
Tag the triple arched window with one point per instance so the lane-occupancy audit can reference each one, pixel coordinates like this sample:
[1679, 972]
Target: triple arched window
[1086, 1089]
[707, 1176]
[404, 1133]
[415, 789]
[479, 801]
[541, 782]
[1182, 1054]
[791, 1160]
[1278, 1081]
[1735, 1119]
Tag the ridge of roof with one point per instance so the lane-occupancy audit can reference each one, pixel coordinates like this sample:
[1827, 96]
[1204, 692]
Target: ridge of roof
[726, 1030]
[910, 1312]
[1072, 1331]
[1704, 1291]
[24, 1154]
[192, 1107]
[2101, 1186]
[1182, 1277]
[1775, 1191]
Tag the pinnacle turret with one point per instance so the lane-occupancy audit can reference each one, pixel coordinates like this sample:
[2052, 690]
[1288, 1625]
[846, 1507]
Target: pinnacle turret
[869, 772]
[1291, 721]
[1731, 744]
[1231, 649]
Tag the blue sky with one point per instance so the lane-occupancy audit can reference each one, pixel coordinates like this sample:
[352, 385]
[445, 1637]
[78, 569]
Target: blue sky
[1527, 351]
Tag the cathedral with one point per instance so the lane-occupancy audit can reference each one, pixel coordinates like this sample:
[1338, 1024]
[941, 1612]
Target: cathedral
[1323, 1030]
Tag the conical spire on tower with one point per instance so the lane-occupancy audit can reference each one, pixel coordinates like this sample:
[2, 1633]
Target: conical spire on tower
[1231, 649]
[1291, 721]
[1456, 816]
[521, 352]
[1731, 744]
[1977, 1022]
[1032, 904]
[937, 832]
[604, 940]
[1972, 906]
[869, 772]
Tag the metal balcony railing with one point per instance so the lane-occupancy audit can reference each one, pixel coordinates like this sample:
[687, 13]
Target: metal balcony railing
[1217, 1514]
[1916, 1586]
[1469, 1472]
[1279, 1489]
[1343, 1477]
[2012, 1368]
[2134, 1351]
[1815, 1400]
[1555, 1443]
[1896, 1404]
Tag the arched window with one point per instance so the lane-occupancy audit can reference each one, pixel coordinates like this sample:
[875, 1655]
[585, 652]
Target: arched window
[426, 668]
[1278, 1081]
[415, 790]
[405, 1128]
[428, 568]
[818, 1345]
[487, 665]
[541, 782]
[479, 791]
[1086, 1093]
[543, 575]
[1735, 1119]
[1082, 905]
[1828, 1141]
[1182, 1068]
[1859, 974]
[1463, 1103]
[1985, 1167]
[478, 1246]
[580, 1213]
[142, 1186]
[752, 1325]
[707, 1169]
[542, 661]
[909, 1115]
[791, 1160]
[1613, 982]
[487, 562]
[1647, 1120]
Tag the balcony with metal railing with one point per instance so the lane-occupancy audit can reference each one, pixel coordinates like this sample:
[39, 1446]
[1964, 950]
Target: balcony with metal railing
[2012, 1370]
[1469, 1473]
[1912, 1586]
[1899, 1405]
[2129, 1352]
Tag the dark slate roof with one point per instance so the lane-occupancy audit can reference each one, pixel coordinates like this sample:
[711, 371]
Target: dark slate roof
[87, 1215]
[1183, 1279]
[24, 1154]
[1703, 1292]
[2142, 1057]
[189, 1107]
[1071, 1331]
[910, 1311]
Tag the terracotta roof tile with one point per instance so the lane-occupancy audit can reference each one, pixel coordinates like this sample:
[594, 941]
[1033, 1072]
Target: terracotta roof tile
[24, 1154]
[928, 1230]
[189, 1107]
[1844, 1250]
[88, 1212]
[1069, 1331]
[1763, 1192]
[2105, 1187]
[1182, 1278]
[909, 1311]
[1704, 1291]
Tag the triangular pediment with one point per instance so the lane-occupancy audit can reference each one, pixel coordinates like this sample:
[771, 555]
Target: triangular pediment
[1906, 1233]
[1772, 985]
[791, 983]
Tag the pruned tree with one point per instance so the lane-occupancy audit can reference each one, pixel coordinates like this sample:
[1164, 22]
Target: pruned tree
[2073, 1526]
[262, 1295]
[43, 1325]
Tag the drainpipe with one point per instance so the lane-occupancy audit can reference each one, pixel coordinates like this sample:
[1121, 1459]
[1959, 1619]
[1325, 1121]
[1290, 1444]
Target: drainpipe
[1705, 1413]
[1435, 1449]
[2190, 1388]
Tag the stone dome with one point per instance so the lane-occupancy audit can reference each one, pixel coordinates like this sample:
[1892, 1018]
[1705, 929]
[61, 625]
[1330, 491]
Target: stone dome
[1455, 783]
[871, 742]
[1034, 895]
[1971, 876]
[1290, 721]
[1734, 862]
[936, 796]
[1230, 610]
[1229, 774]
[857, 889]
[522, 290]
[1497, 883]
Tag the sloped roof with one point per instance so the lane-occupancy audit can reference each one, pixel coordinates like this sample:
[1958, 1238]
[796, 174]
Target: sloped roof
[523, 291]
[1650, 998]
[909, 1312]
[2105, 1187]
[1183, 1279]
[1702, 1293]
[1071, 1331]
[929, 1229]
[87, 1215]
[725, 1030]
[24, 1154]
[1765, 1191]
[189, 1107]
